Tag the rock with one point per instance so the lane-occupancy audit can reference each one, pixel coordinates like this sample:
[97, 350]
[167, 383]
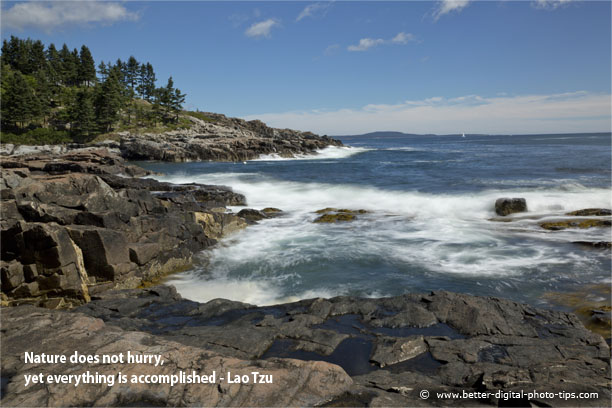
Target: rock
[70, 221]
[333, 215]
[271, 210]
[594, 244]
[506, 206]
[293, 383]
[582, 224]
[391, 350]
[474, 343]
[333, 218]
[221, 139]
[252, 215]
[591, 212]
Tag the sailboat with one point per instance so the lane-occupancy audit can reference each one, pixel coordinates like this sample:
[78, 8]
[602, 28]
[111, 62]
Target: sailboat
[463, 135]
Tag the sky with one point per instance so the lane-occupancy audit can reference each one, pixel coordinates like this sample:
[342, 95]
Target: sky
[351, 67]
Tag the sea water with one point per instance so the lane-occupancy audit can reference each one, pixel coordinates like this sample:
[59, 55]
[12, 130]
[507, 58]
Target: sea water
[429, 201]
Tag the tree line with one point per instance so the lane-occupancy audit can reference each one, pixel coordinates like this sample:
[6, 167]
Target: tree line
[61, 90]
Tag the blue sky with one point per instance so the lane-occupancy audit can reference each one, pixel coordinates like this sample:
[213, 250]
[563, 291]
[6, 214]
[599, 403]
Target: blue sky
[353, 67]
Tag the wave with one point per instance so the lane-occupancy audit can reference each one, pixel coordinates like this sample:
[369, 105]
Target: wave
[330, 152]
[412, 235]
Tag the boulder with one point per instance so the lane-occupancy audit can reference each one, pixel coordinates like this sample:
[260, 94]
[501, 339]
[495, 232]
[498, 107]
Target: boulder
[251, 215]
[507, 206]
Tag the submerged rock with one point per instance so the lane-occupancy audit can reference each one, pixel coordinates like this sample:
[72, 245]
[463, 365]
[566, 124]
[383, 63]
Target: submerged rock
[582, 224]
[333, 215]
[591, 212]
[507, 206]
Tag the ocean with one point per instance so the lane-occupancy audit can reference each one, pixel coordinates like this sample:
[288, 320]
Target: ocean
[429, 201]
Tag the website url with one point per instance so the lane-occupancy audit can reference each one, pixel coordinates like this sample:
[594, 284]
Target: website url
[507, 395]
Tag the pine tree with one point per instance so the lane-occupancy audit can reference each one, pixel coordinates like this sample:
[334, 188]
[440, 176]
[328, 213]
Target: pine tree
[149, 85]
[68, 70]
[37, 58]
[82, 115]
[55, 65]
[44, 95]
[87, 67]
[178, 99]
[18, 101]
[142, 81]
[108, 101]
[103, 71]
[132, 69]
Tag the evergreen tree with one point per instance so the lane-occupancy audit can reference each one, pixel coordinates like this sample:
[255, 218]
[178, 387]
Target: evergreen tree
[82, 115]
[103, 71]
[54, 66]
[108, 101]
[177, 101]
[142, 79]
[37, 58]
[132, 69]
[87, 67]
[68, 69]
[18, 100]
[44, 95]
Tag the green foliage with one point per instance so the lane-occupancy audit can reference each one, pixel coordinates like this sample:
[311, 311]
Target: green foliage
[60, 90]
[37, 136]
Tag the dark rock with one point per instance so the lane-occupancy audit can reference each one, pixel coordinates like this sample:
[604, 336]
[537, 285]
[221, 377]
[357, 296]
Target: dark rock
[70, 220]
[333, 215]
[507, 206]
[252, 215]
[581, 224]
[26, 328]
[495, 344]
[591, 212]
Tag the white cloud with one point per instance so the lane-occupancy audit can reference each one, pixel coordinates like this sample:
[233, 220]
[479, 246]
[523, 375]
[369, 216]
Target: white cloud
[365, 44]
[261, 29]
[447, 6]
[549, 4]
[565, 113]
[313, 9]
[49, 16]
[403, 38]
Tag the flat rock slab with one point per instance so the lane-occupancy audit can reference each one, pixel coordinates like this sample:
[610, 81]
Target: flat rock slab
[391, 348]
[294, 382]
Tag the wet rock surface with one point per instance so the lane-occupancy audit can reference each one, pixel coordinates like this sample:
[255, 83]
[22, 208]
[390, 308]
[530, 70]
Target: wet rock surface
[507, 206]
[222, 139]
[440, 342]
[73, 226]
[26, 328]
[580, 224]
[333, 215]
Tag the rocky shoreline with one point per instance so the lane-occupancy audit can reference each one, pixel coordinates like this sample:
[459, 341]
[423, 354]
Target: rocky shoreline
[218, 138]
[72, 226]
[83, 232]
[320, 352]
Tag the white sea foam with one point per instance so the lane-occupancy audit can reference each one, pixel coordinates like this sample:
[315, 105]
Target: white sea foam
[330, 152]
[447, 234]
